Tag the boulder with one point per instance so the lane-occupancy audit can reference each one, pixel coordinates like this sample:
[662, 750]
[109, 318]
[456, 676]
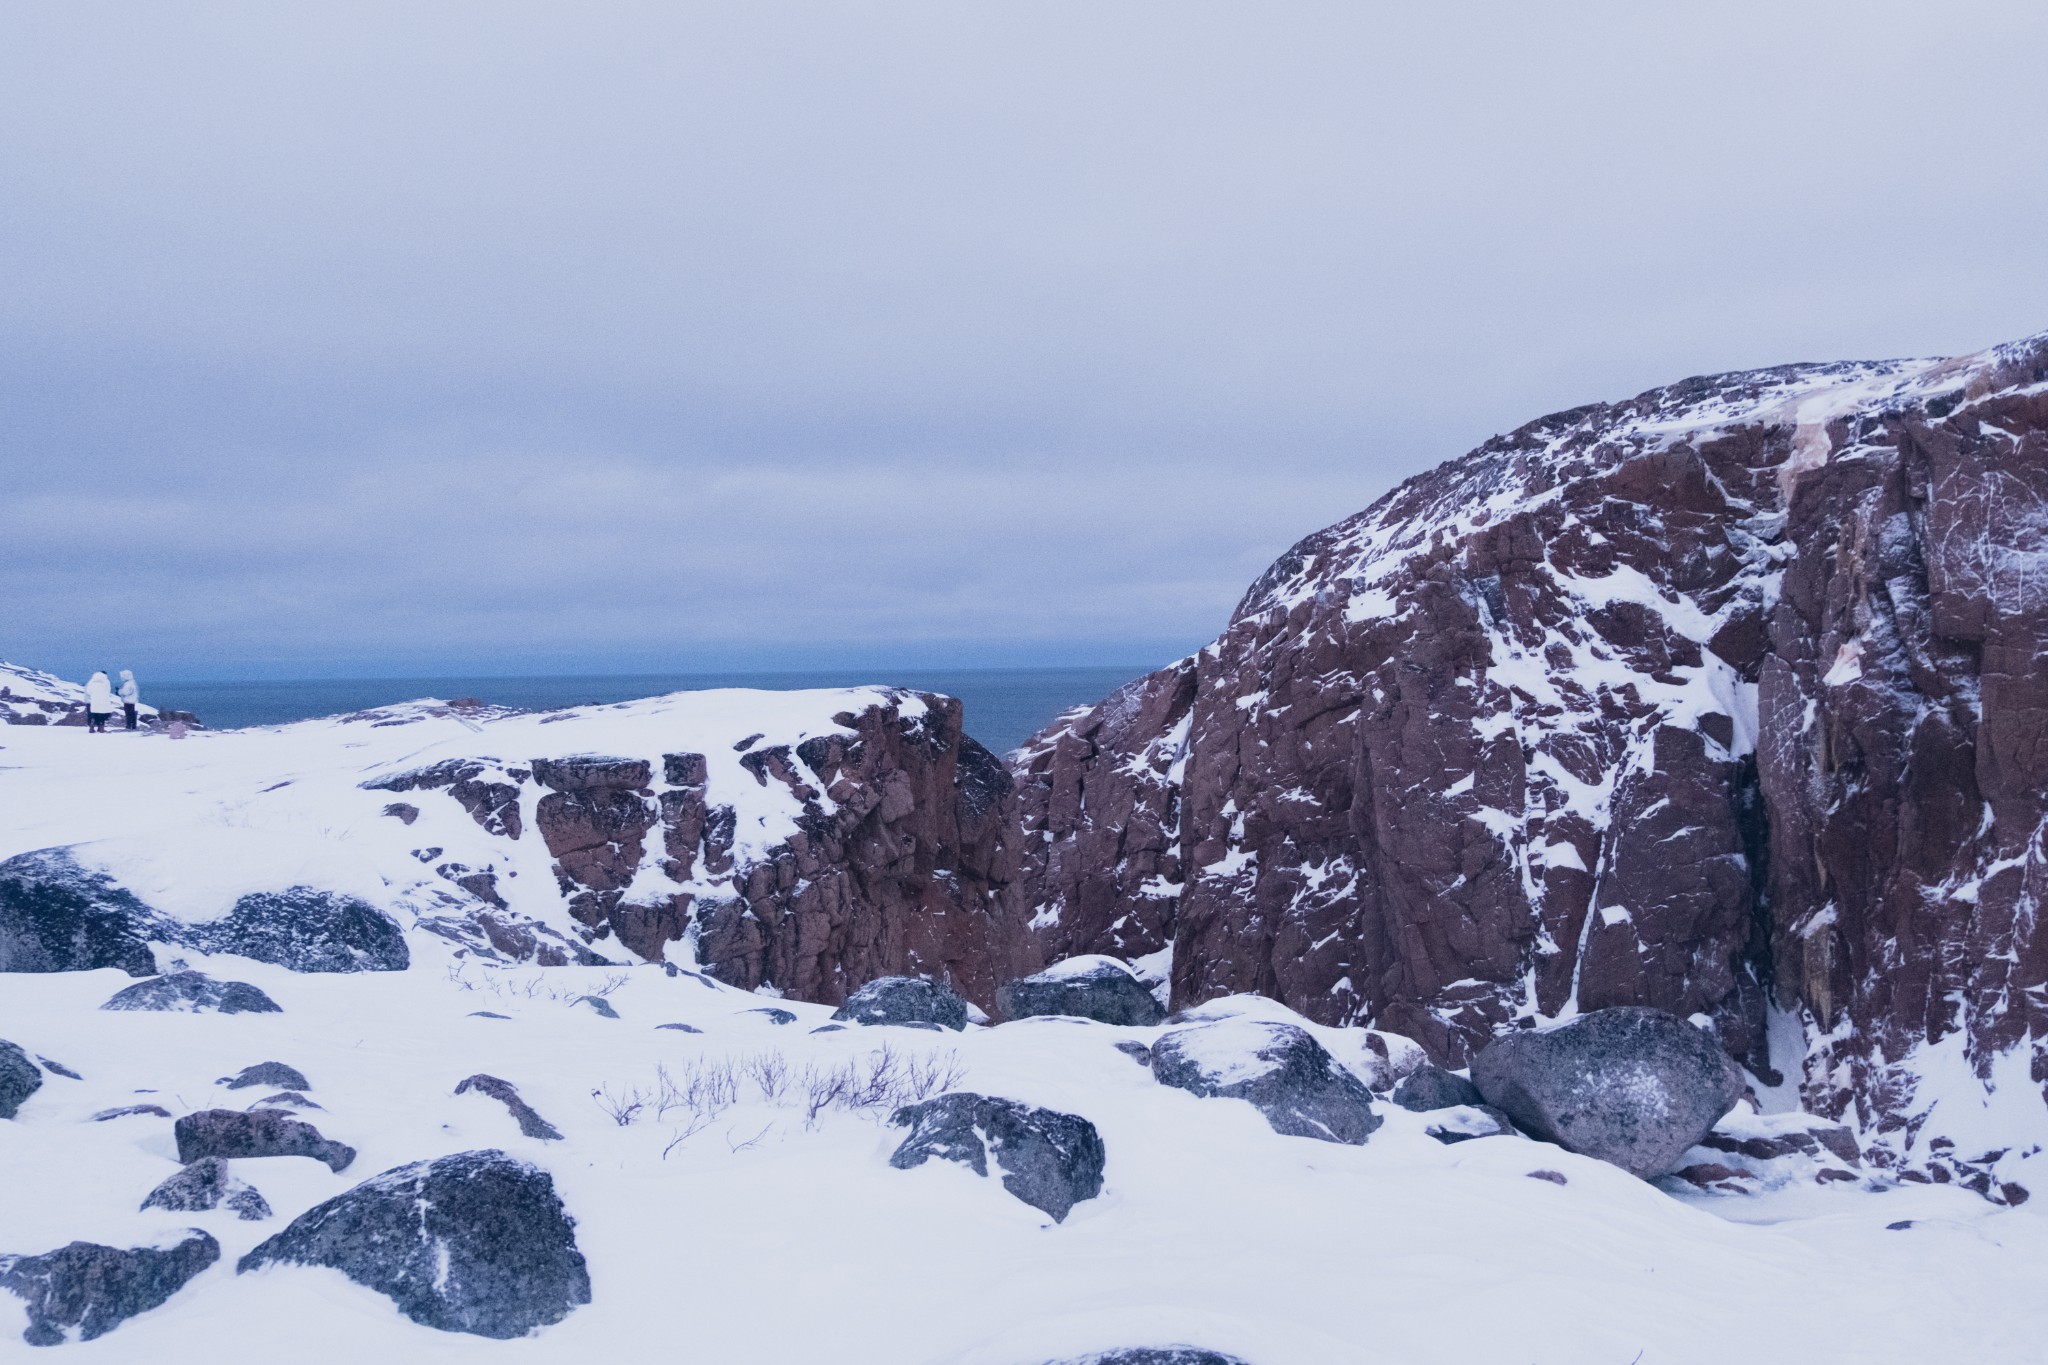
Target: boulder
[193, 993]
[307, 930]
[1092, 987]
[474, 1242]
[1051, 1161]
[207, 1184]
[1278, 1068]
[904, 1000]
[267, 1073]
[1630, 1085]
[92, 1289]
[256, 1132]
[1153, 1355]
[56, 916]
[19, 1078]
[504, 1092]
[1429, 1087]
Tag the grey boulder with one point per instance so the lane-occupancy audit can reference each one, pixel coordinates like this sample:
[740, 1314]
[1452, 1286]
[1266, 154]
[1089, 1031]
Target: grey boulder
[1463, 1122]
[1050, 1160]
[1630, 1085]
[504, 1092]
[205, 1185]
[306, 930]
[1278, 1068]
[1098, 988]
[475, 1242]
[267, 1073]
[19, 1078]
[236, 1133]
[91, 1289]
[1431, 1087]
[904, 1000]
[57, 916]
[192, 993]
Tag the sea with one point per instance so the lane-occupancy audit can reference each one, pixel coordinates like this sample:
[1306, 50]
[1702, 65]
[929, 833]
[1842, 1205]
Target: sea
[1005, 706]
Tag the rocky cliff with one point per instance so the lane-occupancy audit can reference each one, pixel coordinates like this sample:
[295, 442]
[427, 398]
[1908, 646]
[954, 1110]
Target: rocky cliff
[1727, 699]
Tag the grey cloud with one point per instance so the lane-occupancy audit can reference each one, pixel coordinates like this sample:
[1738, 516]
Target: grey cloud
[665, 335]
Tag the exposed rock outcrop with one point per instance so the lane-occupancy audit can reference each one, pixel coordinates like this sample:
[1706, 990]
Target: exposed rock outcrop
[267, 1073]
[306, 930]
[475, 1242]
[1724, 695]
[91, 1289]
[1632, 1086]
[1431, 1087]
[504, 1092]
[1281, 1070]
[1051, 1161]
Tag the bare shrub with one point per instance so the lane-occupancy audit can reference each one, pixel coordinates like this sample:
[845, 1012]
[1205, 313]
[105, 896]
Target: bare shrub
[706, 1088]
[932, 1073]
[770, 1074]
[623, 1106]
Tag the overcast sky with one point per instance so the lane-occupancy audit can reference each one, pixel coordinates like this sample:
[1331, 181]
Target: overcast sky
[367, 339]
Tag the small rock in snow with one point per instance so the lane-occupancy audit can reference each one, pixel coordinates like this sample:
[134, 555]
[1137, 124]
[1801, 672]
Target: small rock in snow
[681, 1028]
[1279, 1068]
[904, 1000]
[1462, 1123]
[267, 1073]
[288, 1097]
[193, 993]
[1136, 1051]
[504, 1092]
[58, 1069]
[487, 1014]
[1051, 1161]
[1095, 987]
[207, 1184]
[775, 1016]
[1429, 1087]
[256, 1132]
[473, 1242]
[598, 1003]
[127, 1110]
[93, 1289]
[1554, 1177]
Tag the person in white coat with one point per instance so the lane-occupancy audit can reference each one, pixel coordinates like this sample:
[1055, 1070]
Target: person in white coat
[131, 696]
[99, 702]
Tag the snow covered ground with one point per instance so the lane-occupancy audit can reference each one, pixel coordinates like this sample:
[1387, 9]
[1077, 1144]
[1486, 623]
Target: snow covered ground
[743, 1230]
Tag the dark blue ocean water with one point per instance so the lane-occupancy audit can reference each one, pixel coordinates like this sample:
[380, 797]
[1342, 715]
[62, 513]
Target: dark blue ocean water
[1005, 706]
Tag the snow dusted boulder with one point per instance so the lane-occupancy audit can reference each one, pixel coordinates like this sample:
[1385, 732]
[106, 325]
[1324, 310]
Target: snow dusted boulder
[19, 1078]
[1153, 1355]
[89, 1289]
[474, 1242]
[1090, 987]
[193, 993]
[1431, 1087]
[207, 1184]
[1630, 1085]
[1278, 1068]
[1051, 1161]
[306, 930]
[504, 1092]
[904, 1000]
[59, 916]
[267, 1073]
[256, 1132]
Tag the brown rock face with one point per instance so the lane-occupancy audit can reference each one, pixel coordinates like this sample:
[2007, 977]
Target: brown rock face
[901, 877]
[1725, 697]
